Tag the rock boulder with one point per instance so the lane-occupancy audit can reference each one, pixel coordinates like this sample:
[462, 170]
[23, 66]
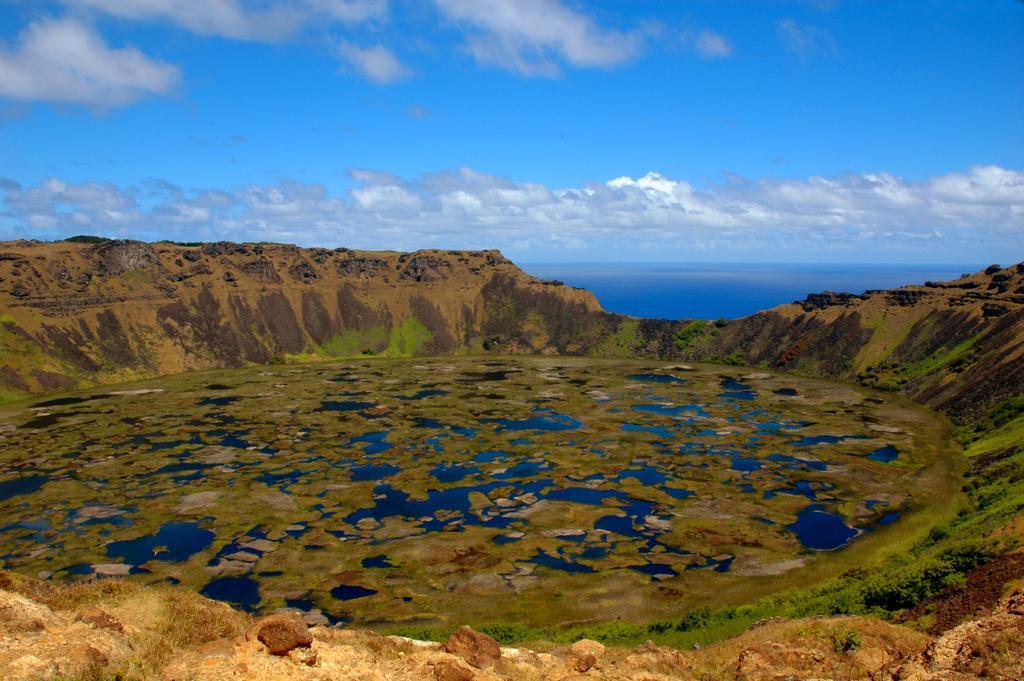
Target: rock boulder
[281, 633]
[479, 650]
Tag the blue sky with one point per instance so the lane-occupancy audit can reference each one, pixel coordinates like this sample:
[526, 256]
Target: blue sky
[730, 130]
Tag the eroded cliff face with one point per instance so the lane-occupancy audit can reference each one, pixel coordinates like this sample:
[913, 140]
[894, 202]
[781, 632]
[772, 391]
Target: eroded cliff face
[76, 313]
[956, 346]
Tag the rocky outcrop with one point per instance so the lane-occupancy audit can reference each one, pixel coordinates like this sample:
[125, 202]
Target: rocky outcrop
[120, 257]
[281, 633]
[823, 301]
[585, 654]
[479, 650]
[38, 643]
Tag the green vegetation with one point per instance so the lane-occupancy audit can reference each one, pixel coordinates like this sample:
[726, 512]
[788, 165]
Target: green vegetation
[355, 342]
[958, 356]
[845, 639]
[20, 353]
[9, 396]
[689, 334]
[408, 338]
[894, 376]
[883, 376]
[86, 239]
[698, 335]
[1002, 414]
[622, 343]
[737, 359]
[842, 637]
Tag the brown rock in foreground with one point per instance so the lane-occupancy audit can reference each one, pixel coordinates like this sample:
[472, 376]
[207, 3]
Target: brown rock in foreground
[99, 619]
[480, 650]
[585, 654]
[452, 670]
[281, 633]
[584, 663]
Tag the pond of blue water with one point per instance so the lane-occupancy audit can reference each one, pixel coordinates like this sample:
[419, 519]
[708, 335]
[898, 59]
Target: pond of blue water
[556, 563]
[240, 591]
[344, 405]
[174, 542]
[820, 530]
[654, 569]
[619, 525]
[392, 502]
[234, 441]
[373, 472]
[889, 518]
[524, 469]
[745, 395]
[374, 443]
[347, 592]
[656, 378]
[454, 472]
[22, 485]
[490, 456]
[648, 475]
[746, 464]
[653, 430]
[218, 401]
[886, 454]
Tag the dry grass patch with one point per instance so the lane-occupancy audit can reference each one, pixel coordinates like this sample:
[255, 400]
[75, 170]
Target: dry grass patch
[846, 645]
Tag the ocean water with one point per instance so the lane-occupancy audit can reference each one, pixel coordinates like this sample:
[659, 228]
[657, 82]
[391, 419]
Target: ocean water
[710, 291]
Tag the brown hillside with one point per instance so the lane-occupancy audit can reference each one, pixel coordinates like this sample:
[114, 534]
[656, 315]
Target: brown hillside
[80, 313]
[956, 346]
[74, 313]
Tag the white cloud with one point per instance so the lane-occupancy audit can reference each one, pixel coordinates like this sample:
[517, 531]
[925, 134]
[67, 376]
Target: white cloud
[65, 61]
[804, 39]
[532, 36]
[711, 45]
[940, 218]
[351, 11]
[376, 63]
[237, 19]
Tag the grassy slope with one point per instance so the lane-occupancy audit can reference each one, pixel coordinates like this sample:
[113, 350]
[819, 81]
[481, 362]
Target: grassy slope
[167, 621]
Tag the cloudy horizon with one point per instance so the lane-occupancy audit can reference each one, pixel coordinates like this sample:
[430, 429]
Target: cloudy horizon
[551, 130]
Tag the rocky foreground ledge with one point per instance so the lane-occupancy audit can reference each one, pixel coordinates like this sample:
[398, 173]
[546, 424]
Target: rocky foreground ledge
[120, 630]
